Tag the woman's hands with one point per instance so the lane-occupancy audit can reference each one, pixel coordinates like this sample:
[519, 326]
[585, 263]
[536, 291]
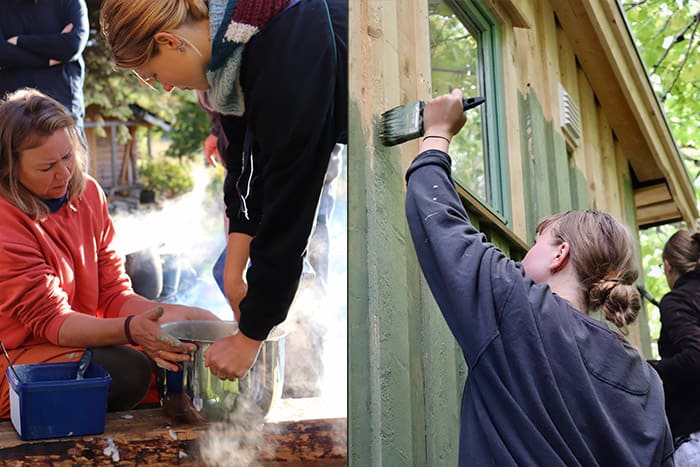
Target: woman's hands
[443, 117]
[162, 348]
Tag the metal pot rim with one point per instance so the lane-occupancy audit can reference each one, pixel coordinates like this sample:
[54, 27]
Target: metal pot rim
[208, 331]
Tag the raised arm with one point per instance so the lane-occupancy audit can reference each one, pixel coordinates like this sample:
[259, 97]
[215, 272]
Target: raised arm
[469, 278]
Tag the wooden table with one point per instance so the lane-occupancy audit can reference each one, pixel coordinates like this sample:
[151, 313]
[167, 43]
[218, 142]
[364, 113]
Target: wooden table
[297, 432]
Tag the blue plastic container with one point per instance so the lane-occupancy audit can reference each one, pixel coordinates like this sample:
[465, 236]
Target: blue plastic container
[49, 402]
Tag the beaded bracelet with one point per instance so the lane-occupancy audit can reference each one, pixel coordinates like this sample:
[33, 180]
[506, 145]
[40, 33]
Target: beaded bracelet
[127, 331]
[436, 136]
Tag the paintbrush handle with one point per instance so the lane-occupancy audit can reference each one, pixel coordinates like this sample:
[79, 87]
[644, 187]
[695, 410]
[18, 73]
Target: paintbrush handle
[471, 102]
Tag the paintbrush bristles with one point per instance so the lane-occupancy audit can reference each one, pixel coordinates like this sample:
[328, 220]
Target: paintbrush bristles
[405, 122]
[402, 123]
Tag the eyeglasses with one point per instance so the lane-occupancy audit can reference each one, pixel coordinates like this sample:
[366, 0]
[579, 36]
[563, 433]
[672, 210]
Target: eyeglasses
[150, 81]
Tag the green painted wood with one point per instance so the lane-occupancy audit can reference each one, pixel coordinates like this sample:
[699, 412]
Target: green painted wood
[364, 422]
[528, 175]
[631, 216]
[560, 171]
[387, 417]
[444, 372]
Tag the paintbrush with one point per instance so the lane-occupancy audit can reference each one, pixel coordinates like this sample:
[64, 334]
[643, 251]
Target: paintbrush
[405, 122]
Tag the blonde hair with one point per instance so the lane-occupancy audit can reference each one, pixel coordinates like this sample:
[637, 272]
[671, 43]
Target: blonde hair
[682, 251]
[602, 255]
[27, 119]
[129, 26]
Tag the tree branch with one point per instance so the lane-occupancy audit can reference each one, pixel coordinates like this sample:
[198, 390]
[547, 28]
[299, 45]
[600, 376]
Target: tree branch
[680, 37]
[688, 52]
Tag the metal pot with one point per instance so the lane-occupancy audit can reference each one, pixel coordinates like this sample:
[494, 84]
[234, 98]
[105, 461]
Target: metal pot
[195, 395]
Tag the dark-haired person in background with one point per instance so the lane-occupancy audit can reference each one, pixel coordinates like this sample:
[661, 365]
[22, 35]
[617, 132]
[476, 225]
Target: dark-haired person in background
[679, 344]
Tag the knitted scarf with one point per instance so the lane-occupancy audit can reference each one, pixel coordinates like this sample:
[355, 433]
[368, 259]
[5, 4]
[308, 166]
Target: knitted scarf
[233, 23]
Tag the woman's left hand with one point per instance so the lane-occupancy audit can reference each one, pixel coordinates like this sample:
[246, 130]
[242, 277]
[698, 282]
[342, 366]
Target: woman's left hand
[165, 350]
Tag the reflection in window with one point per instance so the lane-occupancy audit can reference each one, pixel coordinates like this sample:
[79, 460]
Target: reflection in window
[455, 61]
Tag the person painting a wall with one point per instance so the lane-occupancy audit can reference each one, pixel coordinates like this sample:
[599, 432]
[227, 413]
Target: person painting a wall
[276, 71]
[547, 384]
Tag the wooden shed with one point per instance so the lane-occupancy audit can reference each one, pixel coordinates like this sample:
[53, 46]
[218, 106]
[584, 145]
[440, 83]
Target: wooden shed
[570, 121]
[113, 162]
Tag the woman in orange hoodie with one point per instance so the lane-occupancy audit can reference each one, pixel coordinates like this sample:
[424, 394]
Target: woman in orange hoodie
[63, 285]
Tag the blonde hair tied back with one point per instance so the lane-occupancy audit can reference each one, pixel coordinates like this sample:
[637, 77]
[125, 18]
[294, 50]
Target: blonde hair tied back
[603, 258]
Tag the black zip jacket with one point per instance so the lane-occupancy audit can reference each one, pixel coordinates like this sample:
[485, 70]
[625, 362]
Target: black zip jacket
[294, 79]
[679, 348]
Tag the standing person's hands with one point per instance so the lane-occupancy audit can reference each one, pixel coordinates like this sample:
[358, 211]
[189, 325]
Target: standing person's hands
[443, 117]
[162, 348]
[231, 357]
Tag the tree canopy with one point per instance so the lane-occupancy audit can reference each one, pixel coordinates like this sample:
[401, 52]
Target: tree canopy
[667, 35]
[109, 91]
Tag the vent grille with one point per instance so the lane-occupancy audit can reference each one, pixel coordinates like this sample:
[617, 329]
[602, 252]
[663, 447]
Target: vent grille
[569, 117]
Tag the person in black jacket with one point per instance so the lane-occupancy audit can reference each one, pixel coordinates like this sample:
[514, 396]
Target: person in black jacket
[679, 344]
[276, 71]
[41, 47]
[547, 384]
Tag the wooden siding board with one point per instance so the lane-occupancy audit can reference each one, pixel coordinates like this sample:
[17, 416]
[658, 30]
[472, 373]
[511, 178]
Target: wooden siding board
[608, 158]
[391, 70]
[561, 173]
[442, 385]
[512, 112]
[653, 194]
[364, 423]
[527, 175]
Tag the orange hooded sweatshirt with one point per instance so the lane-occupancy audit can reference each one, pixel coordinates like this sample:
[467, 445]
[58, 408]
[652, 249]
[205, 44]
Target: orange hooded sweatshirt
[50, 269]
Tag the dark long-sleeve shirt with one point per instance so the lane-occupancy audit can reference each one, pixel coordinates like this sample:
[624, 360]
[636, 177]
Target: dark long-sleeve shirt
[38, 25]
[679, 348]
[294, 80]
[547, 385]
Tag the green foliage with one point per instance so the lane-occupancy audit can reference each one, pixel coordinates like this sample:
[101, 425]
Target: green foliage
[191, 126]
[667, 35]
[668, 39]
[109, 91]
[167, 177]
[652, 244]
[454, 52]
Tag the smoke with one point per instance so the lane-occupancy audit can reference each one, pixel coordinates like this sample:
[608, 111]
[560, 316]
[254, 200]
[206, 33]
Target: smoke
[239, 441]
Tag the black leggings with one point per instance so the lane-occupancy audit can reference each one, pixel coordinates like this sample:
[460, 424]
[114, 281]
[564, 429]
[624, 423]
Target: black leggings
[130, 370]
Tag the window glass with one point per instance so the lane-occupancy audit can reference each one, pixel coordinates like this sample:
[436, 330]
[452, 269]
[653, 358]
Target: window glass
[456, 62]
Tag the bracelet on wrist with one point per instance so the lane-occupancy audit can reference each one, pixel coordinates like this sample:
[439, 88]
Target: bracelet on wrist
[436, 136]
[127, 331]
